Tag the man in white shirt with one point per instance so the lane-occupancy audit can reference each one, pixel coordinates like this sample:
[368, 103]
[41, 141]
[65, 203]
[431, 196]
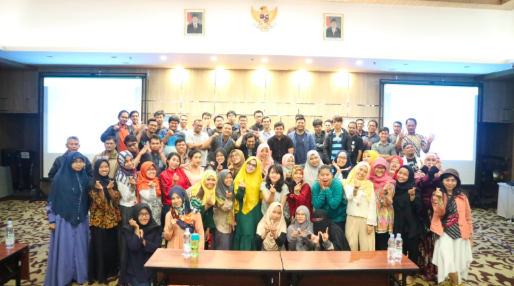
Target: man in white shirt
[266, 133]
[195, 140]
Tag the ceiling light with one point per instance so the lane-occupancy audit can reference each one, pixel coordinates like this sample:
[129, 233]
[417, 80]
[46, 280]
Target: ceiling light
[359, 62]
[467, 67]
[264, 60]
[113, 57]
[219, 68]
[214, 58]
[308, 61]
[179, 68]
[261, 69]
[405, 64]
[49, 56]
[163, 58]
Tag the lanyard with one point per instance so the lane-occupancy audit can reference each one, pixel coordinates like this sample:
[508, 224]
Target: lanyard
[221, 140]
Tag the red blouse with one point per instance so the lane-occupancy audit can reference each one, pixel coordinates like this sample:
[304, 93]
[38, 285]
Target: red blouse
[166, 179]
[303, 199]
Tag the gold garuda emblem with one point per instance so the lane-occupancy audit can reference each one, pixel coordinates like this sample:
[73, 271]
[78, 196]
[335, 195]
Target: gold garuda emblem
[264, 18]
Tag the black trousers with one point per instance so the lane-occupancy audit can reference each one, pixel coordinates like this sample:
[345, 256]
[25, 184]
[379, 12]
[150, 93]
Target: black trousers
[381, 240]
[411, 247]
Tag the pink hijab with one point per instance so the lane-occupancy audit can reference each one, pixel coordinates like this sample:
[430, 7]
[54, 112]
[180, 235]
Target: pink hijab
[270, 159]
[433, 154]
[377, 181]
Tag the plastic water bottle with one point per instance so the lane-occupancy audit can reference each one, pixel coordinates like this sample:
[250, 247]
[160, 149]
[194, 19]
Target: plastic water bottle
[9, 235]
[398, 245]
[391, 249]
[195, 243]
[187, 243]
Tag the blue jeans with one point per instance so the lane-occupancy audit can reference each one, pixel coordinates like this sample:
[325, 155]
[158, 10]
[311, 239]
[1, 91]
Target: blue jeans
[134, 282]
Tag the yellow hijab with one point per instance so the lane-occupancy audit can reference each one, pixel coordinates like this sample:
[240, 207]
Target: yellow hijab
[366, 185]
[206, 191]
[253, 184]
[372, 156]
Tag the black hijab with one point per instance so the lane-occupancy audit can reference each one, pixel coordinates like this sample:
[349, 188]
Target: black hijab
[407, 213]
[335, 233]
[69, 195]
[104, 180]
[151, 226]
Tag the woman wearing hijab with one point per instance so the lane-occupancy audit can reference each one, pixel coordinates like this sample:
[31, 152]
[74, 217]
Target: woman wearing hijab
[395, 163]
[342, 166]
[224, 211]
[105, 215]
[369, 156]
[298, 231]
[236, 160]
[221, 161]
[384, 193]
[272, 230]
[126, 183]
[68, 220]
[327, 235]
[428, 184]
[180, 217]
[203, 197]
[143, 236]
[264, 155]
[148, 189]
[172, 176]
[361, 212]
[312, 167]
[407, 213]
[453, 230]
[300, 193]
[328, 194]
[247, 204]
[287, 165]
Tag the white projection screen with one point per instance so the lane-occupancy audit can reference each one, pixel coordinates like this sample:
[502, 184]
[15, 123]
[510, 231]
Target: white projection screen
[448, 111]
[84, 107]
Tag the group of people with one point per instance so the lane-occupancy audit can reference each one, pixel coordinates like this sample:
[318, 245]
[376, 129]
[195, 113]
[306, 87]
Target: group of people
[252, 188]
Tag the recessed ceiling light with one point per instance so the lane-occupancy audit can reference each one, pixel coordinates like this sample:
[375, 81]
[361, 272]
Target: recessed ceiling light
[264, 60]
[214, 58]
[359, 62]
[220, 68]
[163, 58]
[113, 57]
[467, 67]
[49, 56]
[405, 64]
[308, 61]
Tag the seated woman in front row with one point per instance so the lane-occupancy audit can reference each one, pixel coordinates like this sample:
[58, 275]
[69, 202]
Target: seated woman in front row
[143, 236]
[271, 230]
[327, 235]
[298, 231]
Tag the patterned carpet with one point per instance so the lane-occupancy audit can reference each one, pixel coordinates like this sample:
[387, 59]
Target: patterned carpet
[493, 262]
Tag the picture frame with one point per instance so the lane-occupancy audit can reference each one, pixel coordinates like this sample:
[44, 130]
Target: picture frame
[333, 27]
[194, 22]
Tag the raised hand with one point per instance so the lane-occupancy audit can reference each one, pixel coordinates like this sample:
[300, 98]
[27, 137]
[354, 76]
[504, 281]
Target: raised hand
[51, 226]
[437, 196]
[338, 169]
[170, 132]
[303, 234]
[110, 185]
[175, 178]
[151, 184]
[116, 127]
[402, 135]
[431, 138]
[133, 223]
[98, 186]
[297, 188]
[314, 238]
[220, 167]
[412, 193]
[228, 195]
[141, 233]
[242, 184]
[215, 135]
[210, 201]
[132, 181]
[272, 189]
[144, 150]
[161, 149]
[324, 236]
[295, 233]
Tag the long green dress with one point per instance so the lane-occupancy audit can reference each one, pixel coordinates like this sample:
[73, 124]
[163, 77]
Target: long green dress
[246, 225]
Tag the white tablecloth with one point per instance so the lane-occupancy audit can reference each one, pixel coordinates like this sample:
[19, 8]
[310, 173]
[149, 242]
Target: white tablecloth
[505, 201]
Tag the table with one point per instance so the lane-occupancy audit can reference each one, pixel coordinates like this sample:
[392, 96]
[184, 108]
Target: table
[343, 268]
[14, 263]
[216, 267]
[505, 201]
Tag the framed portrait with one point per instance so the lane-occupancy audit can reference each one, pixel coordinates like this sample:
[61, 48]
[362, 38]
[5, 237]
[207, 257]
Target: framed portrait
[333, 29]
[194, 22]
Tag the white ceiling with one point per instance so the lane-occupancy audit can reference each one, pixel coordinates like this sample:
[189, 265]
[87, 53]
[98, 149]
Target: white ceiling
[275, 62]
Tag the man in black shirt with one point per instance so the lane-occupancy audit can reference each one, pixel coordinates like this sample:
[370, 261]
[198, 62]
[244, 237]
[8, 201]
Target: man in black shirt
[243, 120]
[360, 126]
[151, 129]
[72, 144]
[216, 141]
[257, 115]
[280, 144]
[354, 144]
[249, 146]
[218, 123]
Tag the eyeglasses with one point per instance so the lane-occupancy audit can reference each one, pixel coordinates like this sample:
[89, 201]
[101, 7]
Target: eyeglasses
[234, 156]
[252, 164]
[144, 215]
